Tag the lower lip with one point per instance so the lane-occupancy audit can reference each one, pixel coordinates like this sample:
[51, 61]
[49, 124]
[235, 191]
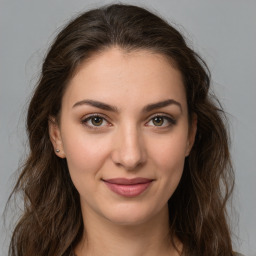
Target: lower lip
[130, 190]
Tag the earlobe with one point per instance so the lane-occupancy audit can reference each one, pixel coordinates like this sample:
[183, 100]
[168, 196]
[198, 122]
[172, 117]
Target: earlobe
[55, 137]
[192, 134]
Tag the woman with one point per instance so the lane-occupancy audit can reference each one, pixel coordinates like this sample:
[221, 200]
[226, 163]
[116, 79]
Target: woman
[128, 149]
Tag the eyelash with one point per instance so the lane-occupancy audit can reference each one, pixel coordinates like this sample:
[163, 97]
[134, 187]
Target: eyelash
[88, 118]
[171, 121]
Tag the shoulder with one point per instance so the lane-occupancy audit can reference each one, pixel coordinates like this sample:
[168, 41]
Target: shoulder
[238, 254]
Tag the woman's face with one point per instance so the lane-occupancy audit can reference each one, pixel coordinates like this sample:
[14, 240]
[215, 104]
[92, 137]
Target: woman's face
[125, 134]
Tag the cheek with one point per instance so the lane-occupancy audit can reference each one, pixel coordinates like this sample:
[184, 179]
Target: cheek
[85, 157]
[85, 154]
[170, 151]
[169, 156]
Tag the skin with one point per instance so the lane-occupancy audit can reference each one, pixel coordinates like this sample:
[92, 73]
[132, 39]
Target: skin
[128, 143]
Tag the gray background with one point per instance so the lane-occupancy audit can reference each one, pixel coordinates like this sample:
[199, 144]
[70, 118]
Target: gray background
[223, 32]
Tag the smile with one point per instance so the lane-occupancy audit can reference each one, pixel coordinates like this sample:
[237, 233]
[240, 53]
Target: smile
[128, 187]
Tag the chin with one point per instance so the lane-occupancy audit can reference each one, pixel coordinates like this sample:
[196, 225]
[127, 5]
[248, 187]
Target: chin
[131, 216]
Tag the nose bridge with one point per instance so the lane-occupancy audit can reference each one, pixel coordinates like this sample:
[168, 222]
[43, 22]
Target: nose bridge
[129, 148]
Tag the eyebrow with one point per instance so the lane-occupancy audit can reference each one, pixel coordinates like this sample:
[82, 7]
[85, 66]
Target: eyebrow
[161, 104]
[108, 107]
[96, 104]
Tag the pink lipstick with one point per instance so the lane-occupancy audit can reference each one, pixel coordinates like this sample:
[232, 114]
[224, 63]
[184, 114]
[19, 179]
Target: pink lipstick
[128, 187]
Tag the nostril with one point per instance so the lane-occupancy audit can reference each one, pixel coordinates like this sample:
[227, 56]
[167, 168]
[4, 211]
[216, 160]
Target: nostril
[129, 160]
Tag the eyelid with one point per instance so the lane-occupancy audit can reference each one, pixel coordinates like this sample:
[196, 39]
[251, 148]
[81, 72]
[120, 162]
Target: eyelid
[172, 121]
[87, 117]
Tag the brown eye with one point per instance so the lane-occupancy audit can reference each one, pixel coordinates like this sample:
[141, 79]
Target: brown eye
[161, 121]
[97, 120]
[158, 121]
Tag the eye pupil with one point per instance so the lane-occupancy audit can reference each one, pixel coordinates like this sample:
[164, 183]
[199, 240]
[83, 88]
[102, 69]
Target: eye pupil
[158, 121]
[97, 121]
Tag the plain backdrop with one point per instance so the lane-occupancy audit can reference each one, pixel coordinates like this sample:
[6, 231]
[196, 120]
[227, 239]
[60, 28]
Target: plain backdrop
[223, 32]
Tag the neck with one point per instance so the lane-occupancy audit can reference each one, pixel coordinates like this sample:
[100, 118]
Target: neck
[103, 237]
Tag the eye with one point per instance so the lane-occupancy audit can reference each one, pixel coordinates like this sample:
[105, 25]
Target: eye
[94, 121]
[161, 121]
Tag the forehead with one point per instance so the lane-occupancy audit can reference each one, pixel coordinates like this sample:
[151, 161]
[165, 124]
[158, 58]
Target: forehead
[135, 77]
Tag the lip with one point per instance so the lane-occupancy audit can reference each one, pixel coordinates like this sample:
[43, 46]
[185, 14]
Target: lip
[128, 187]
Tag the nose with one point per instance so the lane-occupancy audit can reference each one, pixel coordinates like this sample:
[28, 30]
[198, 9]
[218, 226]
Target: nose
[128, 148]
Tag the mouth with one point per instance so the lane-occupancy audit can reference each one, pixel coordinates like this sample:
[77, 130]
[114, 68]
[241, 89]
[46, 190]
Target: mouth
[128, 187]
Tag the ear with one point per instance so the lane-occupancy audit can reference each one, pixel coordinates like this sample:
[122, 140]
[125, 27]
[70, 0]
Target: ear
[55, 137]
[192, 134]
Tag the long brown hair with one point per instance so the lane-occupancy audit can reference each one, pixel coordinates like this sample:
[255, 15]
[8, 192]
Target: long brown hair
[52, 222]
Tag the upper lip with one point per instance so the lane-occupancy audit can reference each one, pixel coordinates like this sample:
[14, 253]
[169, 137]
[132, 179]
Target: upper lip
[125, 181]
